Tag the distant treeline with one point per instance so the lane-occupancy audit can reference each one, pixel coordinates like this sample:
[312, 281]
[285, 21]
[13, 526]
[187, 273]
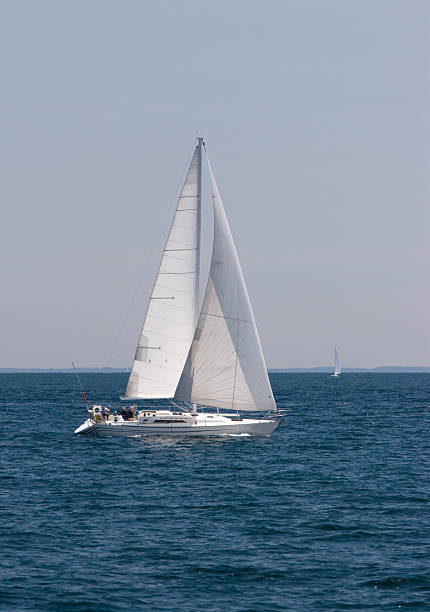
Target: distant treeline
[62, 370]
[379, 370]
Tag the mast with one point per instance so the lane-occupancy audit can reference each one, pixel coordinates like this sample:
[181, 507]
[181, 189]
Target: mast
[199, 216]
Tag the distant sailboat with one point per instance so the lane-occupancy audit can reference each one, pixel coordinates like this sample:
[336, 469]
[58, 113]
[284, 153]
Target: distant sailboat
[208, 358]
[337, 369]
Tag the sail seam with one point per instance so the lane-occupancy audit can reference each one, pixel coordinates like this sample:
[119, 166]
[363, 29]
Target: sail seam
[171, 305]
[209, 401]
[173, 259]
[177, 241]
[160, 382]
[166, 352]
[169, 257]
[149, 347]
[128, 398]
[176, 291]
[156, 365]
[185, 227]
[223, 317]
[149, 331]
[169, 321]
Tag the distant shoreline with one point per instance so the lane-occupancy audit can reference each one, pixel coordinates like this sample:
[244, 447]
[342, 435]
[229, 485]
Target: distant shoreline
[317, 370]
[378, 370]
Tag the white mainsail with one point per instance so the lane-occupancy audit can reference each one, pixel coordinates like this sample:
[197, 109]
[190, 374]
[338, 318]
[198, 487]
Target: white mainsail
[225, 367]
[170, 320]
[337, 368]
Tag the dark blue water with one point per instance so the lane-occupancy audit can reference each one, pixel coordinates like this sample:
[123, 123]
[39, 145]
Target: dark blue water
[330, 513]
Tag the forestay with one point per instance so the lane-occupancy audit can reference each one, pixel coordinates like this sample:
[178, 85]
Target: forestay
[170, 319]
[225, 366]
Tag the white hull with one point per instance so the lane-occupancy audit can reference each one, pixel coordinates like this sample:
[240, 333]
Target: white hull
[195, 425]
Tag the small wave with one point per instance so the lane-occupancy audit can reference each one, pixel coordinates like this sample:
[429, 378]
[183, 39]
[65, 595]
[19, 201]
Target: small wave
[240, 435]
[397, 582]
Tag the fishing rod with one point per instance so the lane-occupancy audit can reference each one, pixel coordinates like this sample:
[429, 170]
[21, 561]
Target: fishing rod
[84, 397]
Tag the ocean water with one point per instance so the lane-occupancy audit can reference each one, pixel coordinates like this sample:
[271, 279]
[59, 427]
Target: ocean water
[330, 513]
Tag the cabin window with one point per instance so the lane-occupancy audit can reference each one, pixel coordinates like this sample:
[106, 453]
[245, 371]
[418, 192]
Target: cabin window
[169, 421]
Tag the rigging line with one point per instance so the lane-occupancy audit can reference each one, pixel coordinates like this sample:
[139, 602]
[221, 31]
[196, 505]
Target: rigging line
[136, 291]
[84, 397]
[208, 314]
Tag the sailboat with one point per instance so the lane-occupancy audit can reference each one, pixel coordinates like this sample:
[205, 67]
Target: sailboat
[337, 369]
[203, 360]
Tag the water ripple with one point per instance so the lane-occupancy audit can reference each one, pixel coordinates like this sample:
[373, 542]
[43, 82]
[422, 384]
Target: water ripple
[331, 513]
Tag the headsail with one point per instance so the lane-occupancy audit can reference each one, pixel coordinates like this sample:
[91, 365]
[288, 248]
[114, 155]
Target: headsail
[171, 316]
[225, 366]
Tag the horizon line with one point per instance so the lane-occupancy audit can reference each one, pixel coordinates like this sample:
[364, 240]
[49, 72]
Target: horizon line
[293, 369]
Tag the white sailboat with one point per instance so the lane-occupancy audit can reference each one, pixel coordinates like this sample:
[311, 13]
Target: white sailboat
[337, 369]
[203, 361]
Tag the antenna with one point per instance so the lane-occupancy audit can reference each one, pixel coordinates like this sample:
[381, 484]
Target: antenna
[84, 397]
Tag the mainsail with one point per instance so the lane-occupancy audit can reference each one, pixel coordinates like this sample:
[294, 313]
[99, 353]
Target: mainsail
[225, 367]
[171, 316]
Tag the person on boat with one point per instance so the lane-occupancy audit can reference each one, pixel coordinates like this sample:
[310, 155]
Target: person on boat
[115, 416]
[107, 414]
[124, 413]
[130, 414]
